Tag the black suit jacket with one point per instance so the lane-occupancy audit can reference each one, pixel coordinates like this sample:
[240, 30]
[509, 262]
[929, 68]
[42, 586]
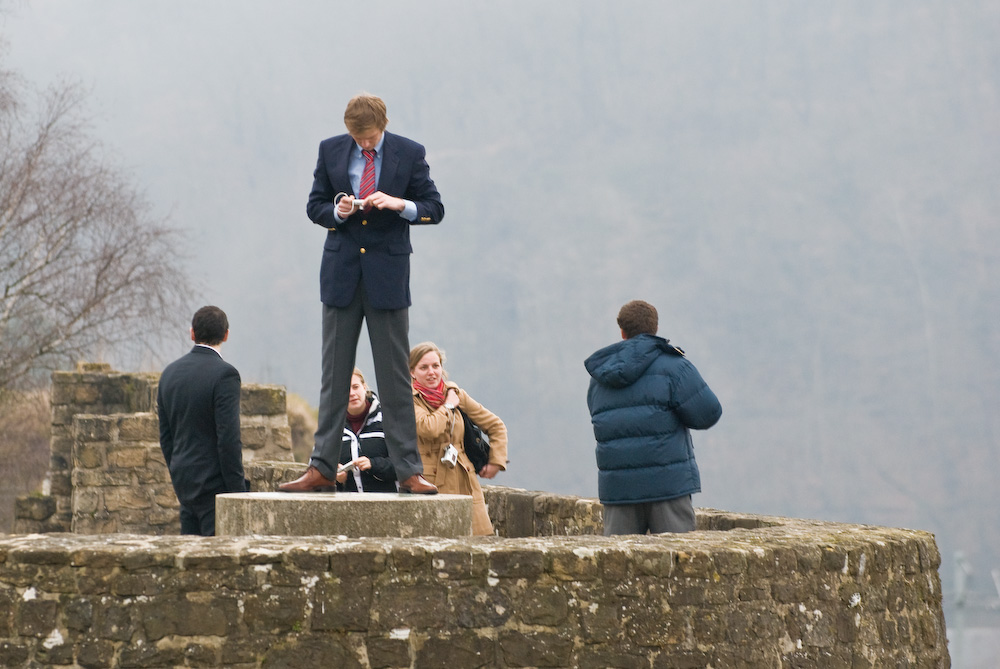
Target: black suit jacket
[198, 401]
[373, 247]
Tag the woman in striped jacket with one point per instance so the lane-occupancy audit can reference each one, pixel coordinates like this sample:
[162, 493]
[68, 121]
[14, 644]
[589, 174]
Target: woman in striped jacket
[364, 443]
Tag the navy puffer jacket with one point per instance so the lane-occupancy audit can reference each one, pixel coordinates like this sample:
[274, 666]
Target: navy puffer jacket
[644, 397]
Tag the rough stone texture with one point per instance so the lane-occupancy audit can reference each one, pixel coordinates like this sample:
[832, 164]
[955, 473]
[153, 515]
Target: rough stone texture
[266, 475]
[548, 591]
[763, 592]
[95, 390]
[524, 513]
[344, 514]
[120, 480]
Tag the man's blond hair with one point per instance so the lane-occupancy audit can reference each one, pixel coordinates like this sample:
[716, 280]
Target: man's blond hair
[365, 112]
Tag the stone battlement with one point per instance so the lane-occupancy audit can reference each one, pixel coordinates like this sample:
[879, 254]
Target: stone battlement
[548, 591]
[106, 471]
[755, 592]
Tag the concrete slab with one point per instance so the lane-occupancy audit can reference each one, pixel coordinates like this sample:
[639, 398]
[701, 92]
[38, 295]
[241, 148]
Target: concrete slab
[366, 514]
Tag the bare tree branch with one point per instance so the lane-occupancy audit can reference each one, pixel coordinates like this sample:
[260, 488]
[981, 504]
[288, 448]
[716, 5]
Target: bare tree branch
[83, 264]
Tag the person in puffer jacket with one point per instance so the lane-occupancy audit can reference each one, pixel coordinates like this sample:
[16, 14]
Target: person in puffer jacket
[644, 399]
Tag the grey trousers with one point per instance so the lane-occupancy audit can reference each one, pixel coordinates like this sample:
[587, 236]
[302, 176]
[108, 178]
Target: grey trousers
[672, 515]
[388, 330]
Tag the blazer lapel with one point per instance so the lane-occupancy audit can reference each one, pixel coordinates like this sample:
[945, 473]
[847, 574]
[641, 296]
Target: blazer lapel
[337, 161]
[390, 163]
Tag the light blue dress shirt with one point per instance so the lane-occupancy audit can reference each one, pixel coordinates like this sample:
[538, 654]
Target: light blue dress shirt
[356, 167]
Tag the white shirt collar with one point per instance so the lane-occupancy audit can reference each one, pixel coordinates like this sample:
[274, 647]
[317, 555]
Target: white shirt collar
[214, 348]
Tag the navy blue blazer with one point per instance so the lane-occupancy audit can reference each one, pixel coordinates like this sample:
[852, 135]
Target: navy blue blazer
[198, 401]
[373, 247]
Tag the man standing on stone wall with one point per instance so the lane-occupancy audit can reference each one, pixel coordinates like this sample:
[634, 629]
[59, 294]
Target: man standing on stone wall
[369, 187]
[644, 399]
[198, 401]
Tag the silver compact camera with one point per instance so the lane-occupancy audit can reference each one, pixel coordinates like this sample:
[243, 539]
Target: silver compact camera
[450, 456]
[358, 203]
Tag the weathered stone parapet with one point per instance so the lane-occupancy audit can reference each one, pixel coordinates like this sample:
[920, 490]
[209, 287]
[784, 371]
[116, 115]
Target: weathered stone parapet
[365, 514]
[267, 475]
[530, 513]
[777, 593]
[94, 389]
[35, 514]
[120, 479]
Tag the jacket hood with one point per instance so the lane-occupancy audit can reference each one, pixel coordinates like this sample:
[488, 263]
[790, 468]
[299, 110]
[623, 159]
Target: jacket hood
[622, 363]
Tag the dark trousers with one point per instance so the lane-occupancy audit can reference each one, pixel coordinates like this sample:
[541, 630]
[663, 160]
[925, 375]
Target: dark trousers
[672, 515]
[198, 520]
[388, 331]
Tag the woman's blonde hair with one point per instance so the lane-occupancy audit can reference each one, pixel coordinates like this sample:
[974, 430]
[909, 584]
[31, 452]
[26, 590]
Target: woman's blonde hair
[422, 349]
[357, 373]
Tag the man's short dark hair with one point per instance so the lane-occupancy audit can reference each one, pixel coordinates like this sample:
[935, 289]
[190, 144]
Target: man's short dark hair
[638, 317]
[210, 326]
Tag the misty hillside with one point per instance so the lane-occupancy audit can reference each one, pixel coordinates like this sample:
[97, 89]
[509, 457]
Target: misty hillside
[808, 193]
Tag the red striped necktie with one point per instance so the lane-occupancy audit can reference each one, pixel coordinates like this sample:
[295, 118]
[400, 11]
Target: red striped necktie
[368, 176]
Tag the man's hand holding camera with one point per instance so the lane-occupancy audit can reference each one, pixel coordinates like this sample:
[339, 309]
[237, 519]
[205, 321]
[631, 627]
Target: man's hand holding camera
[348, 204]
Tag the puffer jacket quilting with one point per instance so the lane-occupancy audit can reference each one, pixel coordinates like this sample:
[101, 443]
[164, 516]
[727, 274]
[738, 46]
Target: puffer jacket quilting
[644, 399]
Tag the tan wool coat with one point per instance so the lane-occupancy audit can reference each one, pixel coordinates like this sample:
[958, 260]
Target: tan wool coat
[436, 428]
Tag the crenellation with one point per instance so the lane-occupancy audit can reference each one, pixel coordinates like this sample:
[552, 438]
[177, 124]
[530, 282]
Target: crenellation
[125, 590]
[587, 597]
[104, 423]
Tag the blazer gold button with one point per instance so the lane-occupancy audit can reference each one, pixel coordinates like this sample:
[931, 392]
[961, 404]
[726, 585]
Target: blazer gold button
[364, 222]
[362, 250]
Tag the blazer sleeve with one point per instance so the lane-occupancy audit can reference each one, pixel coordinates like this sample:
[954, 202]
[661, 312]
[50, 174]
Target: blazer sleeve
[422, 192]
[166, 435]
[320, 208]
[490, 423]
[227, 426]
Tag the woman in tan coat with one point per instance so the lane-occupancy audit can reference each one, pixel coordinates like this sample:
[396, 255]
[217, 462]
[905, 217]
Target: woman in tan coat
[441, 433]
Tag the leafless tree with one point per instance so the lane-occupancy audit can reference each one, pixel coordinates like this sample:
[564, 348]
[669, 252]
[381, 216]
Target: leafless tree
[84, 267]
[25, 428]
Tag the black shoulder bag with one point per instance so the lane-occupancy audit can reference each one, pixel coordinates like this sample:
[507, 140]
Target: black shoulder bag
[477, 443]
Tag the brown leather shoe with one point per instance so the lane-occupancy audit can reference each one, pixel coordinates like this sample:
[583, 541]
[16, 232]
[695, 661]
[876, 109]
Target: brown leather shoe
[311, 481]
[418, 485]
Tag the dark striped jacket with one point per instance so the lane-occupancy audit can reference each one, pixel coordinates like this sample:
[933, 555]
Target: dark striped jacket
[371, 443]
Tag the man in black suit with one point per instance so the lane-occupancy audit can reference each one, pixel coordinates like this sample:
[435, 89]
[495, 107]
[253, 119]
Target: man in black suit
[199, 405]
[369, 187]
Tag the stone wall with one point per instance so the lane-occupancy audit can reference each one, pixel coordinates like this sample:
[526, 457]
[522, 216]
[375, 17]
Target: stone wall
[114, 411]
[767, 592]
[527, 513]
[549, 591]
[120, 480]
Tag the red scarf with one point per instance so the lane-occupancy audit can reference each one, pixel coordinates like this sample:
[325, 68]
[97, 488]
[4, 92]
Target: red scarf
[434, 397]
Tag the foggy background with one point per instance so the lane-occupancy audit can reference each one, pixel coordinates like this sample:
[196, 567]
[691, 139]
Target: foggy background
[808, 193]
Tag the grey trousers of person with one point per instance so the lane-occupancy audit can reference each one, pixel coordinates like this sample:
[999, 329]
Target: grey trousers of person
[672, 515]
[388, 331]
